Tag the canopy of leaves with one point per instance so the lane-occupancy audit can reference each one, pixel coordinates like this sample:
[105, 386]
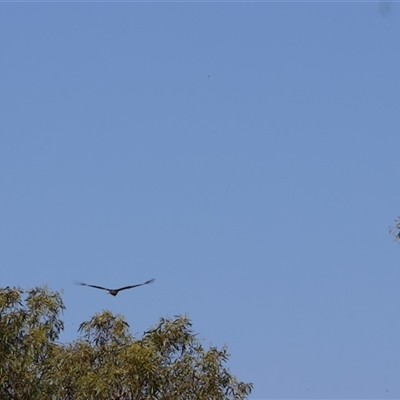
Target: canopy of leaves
[395, 230]
[106, 361]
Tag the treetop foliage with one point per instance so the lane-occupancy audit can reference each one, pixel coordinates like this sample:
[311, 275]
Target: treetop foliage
[395, 231]
[106, 361]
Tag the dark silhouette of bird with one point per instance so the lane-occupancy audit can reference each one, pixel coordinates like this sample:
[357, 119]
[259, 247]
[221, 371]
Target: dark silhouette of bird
[114, 292]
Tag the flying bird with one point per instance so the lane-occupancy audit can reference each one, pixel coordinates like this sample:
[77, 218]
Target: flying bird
[114, 292]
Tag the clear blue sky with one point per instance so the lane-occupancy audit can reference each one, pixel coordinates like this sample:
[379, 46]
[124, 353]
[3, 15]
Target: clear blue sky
[246, 155]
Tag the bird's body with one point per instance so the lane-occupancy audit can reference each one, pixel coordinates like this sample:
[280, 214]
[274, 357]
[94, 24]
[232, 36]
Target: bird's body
[114, 292]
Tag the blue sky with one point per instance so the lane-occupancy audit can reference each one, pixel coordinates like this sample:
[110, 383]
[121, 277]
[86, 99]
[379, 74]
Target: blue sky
[246, 155]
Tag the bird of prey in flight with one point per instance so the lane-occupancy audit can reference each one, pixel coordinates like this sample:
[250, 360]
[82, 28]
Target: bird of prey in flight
[114, 292]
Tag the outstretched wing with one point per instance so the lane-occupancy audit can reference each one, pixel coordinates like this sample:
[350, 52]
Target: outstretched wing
[93, 286]
[133, 286]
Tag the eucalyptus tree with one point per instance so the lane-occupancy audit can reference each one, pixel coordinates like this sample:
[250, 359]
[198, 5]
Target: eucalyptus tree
[106, 361]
